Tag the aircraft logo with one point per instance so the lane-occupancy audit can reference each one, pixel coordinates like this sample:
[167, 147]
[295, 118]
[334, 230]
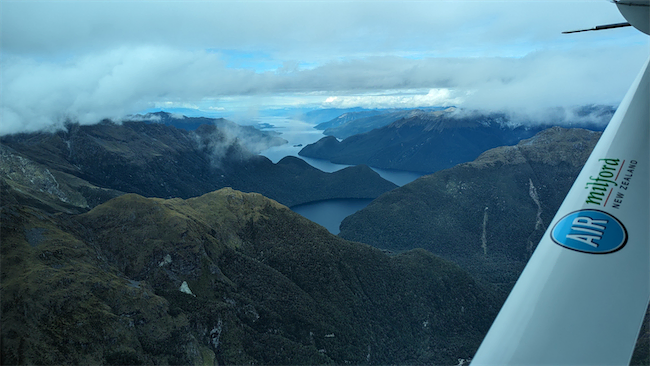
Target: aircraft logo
[590, 231]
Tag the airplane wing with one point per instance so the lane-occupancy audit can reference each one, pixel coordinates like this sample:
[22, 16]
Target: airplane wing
[582, 297]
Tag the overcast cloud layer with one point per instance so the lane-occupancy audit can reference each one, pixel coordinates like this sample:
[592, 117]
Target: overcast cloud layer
[89, 60]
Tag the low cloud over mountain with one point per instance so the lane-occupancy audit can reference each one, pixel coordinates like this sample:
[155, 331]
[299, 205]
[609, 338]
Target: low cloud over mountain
[115, 83]
[101, 161]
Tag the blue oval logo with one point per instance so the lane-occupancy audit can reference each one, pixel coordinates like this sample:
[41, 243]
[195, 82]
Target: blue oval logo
[590, 231]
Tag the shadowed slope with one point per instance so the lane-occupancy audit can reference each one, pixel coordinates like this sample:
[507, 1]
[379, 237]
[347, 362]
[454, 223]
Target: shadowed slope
[487, 215]
[156, 160]
[227, 276]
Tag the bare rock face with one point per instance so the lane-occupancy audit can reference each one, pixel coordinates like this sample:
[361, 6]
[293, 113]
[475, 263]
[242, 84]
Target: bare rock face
[24, 180]
[34, 179]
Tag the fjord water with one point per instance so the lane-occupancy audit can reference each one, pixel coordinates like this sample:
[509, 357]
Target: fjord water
[296, 132]
[299, 134]
[328, 213]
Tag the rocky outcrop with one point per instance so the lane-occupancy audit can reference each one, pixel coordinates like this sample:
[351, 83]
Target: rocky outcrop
[24, 180]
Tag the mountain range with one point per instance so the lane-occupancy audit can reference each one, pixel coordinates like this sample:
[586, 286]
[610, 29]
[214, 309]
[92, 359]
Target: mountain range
[250, 137]
[354, 123]
[433, 139]
[224, 278]
[421, 141]
[102, 161]
[96, 270]
[486, 215]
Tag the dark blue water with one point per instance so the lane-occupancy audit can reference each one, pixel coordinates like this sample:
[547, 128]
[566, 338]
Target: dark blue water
[330, 213]
[399, 177]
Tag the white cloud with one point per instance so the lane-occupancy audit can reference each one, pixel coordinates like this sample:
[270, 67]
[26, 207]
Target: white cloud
[109, 84]
[171, 104]
[315, 29]
[128, 80]
[434, 97]
[92, 60]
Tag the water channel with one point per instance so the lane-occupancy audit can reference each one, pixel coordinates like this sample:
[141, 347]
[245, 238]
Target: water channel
[328, 213]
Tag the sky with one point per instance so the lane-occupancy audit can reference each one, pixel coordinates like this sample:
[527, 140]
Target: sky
[84, 61]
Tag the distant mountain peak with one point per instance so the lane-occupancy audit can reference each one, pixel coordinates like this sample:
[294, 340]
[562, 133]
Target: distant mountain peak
[419, 140]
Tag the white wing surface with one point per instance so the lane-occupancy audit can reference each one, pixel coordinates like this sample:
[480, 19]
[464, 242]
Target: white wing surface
[582, 297]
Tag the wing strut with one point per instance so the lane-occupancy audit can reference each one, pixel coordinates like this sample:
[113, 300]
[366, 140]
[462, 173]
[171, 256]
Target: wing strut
[600, 27]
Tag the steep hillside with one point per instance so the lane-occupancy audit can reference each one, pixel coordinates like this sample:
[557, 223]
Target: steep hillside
[225, 278]
[236, 278]
[345, 118]
[423, 142]
[25, 181]
[156, 160]
[487, 215]
[351, 124]
[250, 137]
